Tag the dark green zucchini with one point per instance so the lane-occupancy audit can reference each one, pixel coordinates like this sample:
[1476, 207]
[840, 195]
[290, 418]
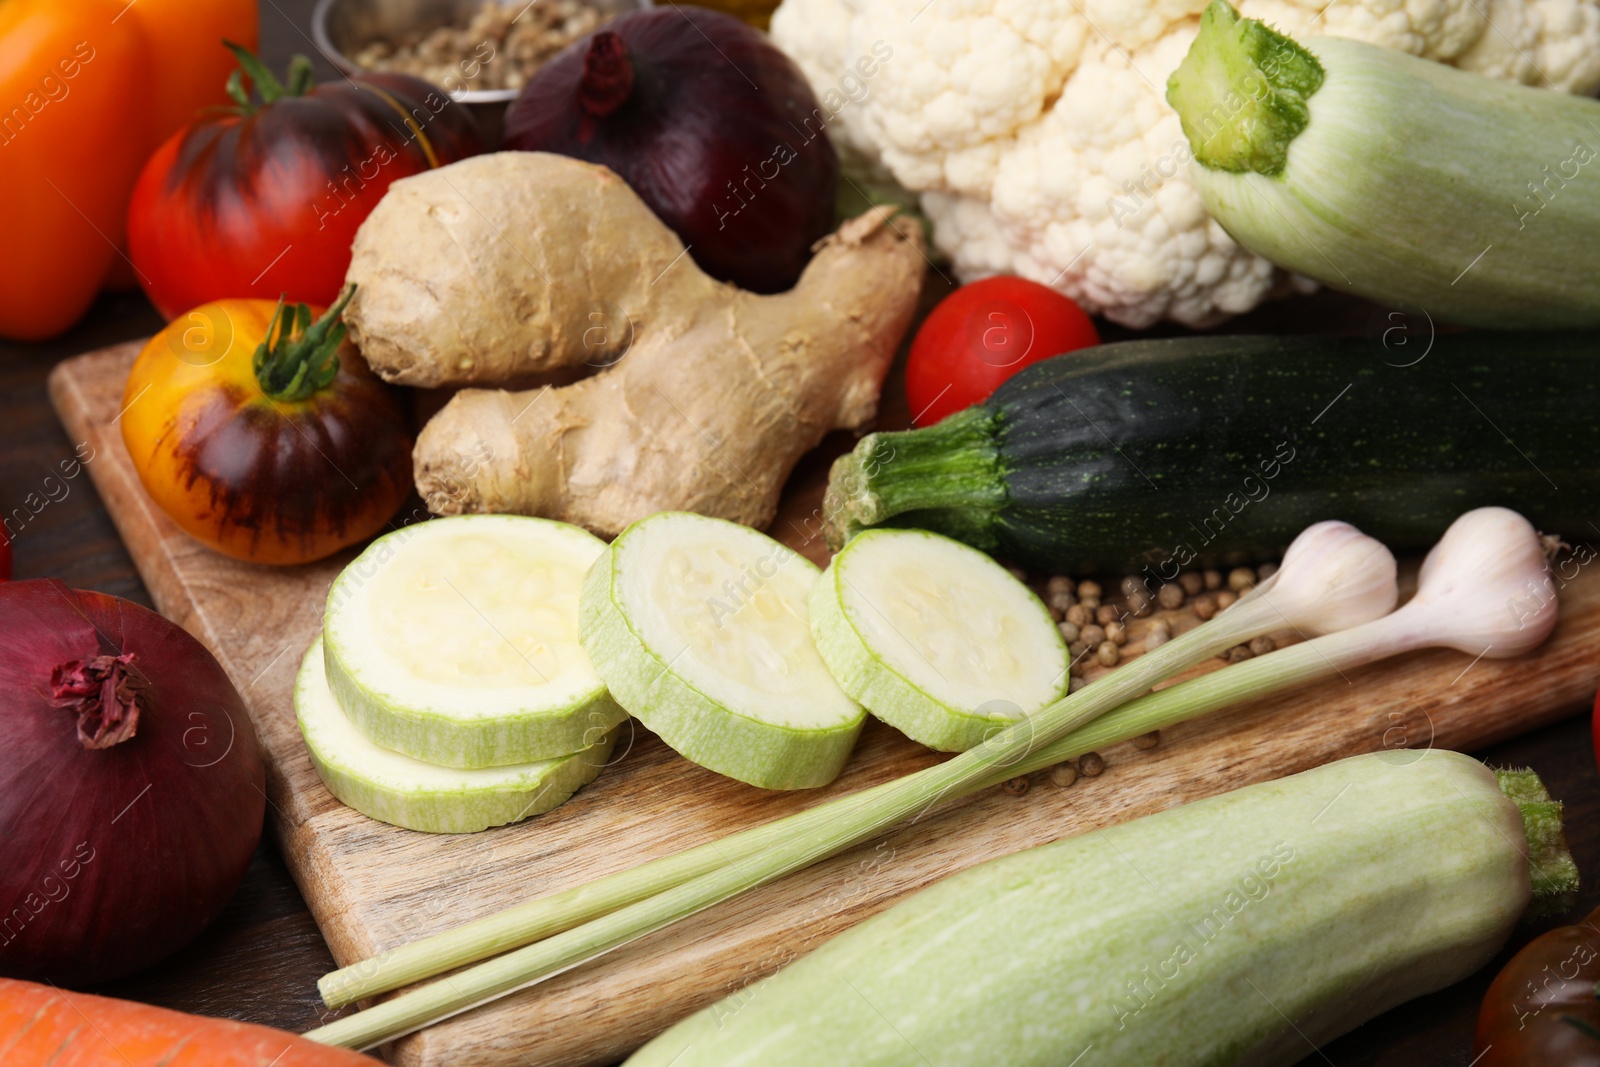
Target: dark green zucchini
[1158, 454]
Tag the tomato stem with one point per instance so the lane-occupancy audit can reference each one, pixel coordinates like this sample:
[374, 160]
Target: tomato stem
[303, 357]
[263, 80]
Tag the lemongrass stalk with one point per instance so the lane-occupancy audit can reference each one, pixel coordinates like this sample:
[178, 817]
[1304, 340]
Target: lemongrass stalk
[1467, 596]
[525, 923]
[1333, 577]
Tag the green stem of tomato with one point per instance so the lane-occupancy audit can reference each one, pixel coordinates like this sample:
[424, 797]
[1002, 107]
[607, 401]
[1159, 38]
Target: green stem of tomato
[263, 80]
[297, 358]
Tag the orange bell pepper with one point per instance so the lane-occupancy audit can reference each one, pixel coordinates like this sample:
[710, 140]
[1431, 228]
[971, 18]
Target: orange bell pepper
[185, 39]
[72, 138]
[87, 89]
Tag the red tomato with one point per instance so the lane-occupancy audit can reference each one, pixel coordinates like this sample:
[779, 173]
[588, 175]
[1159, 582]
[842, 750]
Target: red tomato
[264, 200]
[982, 334]
[5, 556]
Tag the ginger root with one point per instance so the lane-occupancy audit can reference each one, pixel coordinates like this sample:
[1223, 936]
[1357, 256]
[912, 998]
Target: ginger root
[502, 266]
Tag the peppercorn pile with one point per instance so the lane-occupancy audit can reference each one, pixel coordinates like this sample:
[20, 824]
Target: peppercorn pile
[1104, 630]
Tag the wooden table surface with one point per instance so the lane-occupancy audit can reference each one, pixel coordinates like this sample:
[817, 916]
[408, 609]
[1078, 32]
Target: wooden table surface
[261, 960]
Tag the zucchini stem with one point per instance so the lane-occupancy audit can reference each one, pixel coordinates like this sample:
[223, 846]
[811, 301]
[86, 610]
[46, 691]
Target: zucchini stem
[1243, 92]
[1550, 865]
[952, 465]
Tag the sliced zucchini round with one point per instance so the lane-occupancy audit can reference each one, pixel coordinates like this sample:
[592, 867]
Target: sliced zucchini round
[699, 628]
[935, 638]
[397, 789]
[455, 641]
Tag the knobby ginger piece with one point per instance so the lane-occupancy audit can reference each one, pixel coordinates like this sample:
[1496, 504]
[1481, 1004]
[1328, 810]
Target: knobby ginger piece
[503, 266]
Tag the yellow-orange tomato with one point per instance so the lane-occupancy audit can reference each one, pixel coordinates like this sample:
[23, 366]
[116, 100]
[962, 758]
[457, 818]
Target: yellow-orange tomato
[282, 479]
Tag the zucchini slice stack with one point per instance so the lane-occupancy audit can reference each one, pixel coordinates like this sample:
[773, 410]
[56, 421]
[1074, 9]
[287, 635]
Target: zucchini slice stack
[449, 691]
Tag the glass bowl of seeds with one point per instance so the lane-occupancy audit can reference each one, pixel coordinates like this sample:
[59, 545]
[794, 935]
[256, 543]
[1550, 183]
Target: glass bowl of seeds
[481, 51]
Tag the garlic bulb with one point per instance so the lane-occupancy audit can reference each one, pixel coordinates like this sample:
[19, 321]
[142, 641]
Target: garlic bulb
[1332, 578]
[1484, 589]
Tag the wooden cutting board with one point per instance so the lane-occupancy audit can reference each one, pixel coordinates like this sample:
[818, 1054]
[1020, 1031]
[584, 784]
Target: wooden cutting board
[373, 886]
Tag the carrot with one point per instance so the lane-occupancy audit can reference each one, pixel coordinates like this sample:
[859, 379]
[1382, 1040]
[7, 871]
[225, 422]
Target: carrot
[41, 1025]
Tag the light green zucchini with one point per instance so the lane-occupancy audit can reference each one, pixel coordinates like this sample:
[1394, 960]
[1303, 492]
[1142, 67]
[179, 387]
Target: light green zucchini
[699, 628]
[1243, 929]
[455, 642]
[397, 789]
[1418, 185]
[935, 638]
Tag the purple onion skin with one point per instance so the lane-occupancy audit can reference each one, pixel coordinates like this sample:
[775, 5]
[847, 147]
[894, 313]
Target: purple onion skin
[719, 133]
[113, 858]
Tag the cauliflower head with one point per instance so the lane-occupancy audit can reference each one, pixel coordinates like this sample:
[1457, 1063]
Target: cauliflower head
[1038, 137]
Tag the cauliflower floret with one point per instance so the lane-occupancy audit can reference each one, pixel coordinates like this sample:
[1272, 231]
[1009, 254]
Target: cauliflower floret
[1038, 135]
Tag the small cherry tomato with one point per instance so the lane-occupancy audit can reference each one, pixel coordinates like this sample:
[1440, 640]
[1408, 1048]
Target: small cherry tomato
[982, 334]
[263, 434]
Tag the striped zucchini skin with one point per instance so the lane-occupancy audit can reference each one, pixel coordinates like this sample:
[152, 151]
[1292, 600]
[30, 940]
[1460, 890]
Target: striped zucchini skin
[1403, 180]
[1234, 930]
[1152, 455]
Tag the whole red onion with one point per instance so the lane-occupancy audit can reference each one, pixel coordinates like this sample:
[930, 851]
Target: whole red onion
[714, 128]
[131, 787]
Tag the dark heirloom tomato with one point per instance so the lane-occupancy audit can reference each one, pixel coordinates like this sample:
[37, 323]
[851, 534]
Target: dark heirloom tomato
[263, 435]
[1542, 1007]
[264, 200]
